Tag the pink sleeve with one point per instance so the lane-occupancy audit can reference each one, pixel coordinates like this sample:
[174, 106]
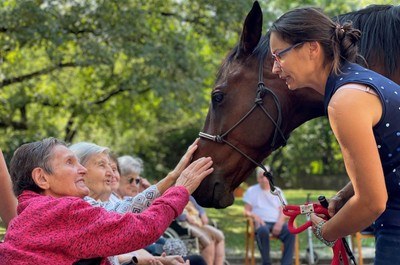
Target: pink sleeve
[102, 233]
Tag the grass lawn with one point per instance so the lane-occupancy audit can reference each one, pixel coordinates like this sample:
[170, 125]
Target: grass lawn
[231, 220]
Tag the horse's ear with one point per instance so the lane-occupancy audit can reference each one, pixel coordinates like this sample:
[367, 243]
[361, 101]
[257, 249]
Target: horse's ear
[252, 29]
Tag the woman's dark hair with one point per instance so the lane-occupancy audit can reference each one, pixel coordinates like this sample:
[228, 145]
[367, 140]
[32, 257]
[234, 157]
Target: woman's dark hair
[28, 157]
[339, 42]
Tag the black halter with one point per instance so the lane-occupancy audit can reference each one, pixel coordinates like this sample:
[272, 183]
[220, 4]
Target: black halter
[262, 90]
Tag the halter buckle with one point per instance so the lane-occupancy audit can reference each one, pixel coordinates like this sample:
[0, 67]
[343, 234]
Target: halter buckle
[207, 136]
[306, 209]
[214, 138]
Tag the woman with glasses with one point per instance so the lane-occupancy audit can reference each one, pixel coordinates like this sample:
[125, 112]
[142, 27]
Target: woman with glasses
[131, 181]
[363, 107]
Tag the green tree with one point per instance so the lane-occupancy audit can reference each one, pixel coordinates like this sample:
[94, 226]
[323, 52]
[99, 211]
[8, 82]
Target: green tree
[119, 73]
[134, 75]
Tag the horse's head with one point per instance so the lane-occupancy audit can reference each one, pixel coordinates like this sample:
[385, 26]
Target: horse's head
[239, 132]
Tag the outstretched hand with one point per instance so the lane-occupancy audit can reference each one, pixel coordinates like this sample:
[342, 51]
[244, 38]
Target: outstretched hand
[185, 160]
[194, 174]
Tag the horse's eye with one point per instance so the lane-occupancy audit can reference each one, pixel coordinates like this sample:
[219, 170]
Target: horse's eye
[217, 96]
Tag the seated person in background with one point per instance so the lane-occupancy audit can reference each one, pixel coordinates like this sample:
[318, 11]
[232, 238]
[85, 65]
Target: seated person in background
[8, 202]
[266, 211]
[212, 240]
[156, 247]
[52, 216]
[101, 170]
[132, 182]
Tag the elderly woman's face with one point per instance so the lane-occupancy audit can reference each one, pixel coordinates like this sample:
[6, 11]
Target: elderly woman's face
[67, 178]
[98, 176]
[116, 177]
[128, 185]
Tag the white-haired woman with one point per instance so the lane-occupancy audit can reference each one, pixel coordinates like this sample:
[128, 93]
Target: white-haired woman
[49, 182]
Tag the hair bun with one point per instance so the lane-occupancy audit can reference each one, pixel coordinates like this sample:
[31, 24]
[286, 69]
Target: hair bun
[339, 32]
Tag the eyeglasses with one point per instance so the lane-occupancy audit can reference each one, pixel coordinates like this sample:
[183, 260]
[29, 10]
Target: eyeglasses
[278, 56]
[137, 180]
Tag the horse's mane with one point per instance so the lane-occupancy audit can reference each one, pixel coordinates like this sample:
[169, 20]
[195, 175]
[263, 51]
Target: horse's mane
[380, 33]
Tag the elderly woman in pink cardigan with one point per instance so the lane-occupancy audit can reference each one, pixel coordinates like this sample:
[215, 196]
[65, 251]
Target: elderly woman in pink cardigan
[56, 226]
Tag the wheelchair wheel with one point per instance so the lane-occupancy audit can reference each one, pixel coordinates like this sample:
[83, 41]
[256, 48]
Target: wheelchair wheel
[308, 258]
[170, 233]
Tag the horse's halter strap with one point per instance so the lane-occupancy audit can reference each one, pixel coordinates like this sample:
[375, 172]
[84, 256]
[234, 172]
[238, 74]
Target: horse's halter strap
[261, 92]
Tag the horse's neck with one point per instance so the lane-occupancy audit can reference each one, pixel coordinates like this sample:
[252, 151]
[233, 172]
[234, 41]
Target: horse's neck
[300, 106]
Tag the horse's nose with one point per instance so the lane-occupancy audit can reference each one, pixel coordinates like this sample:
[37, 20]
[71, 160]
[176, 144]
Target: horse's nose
[276, 68]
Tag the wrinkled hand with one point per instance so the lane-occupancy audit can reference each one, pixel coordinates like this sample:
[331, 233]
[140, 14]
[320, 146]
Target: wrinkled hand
[185, 160]
[315, 219]
[319, 230]
[204, 219]
[191, 220]
[155, 261]
[194, 174]
[172, 260]
[258, 221]
[144, 183]
[335, 204]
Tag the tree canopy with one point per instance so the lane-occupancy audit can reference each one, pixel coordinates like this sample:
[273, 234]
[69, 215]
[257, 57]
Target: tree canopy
[134, 75]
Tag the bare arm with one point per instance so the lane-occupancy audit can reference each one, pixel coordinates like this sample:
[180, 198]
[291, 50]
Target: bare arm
[248, 210]
[340, 199]
[352, 122]
[8, 202]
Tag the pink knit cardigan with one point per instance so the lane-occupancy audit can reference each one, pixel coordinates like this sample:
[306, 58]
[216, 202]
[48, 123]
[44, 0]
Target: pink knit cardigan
[64, 230]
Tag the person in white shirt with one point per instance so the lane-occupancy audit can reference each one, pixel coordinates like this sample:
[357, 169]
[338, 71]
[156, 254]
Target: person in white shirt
[266, 211]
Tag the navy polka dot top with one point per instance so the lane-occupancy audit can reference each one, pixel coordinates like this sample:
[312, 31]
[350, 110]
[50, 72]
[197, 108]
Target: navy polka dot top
[386, 131]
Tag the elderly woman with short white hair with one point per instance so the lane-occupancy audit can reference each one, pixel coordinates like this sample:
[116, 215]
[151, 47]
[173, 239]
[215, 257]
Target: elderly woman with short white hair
[55, 225]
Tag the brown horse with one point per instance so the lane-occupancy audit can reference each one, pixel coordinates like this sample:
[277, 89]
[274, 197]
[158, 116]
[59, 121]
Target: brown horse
[252, 112]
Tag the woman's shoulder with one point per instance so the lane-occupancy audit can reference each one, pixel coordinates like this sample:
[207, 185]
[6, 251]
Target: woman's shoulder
[41, 210]
[33, 199]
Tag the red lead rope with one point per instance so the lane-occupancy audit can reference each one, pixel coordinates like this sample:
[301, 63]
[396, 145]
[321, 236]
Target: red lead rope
[339, 250]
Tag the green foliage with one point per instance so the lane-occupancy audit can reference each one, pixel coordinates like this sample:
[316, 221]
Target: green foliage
[312, 149]
[133, 75]
[101, 70]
